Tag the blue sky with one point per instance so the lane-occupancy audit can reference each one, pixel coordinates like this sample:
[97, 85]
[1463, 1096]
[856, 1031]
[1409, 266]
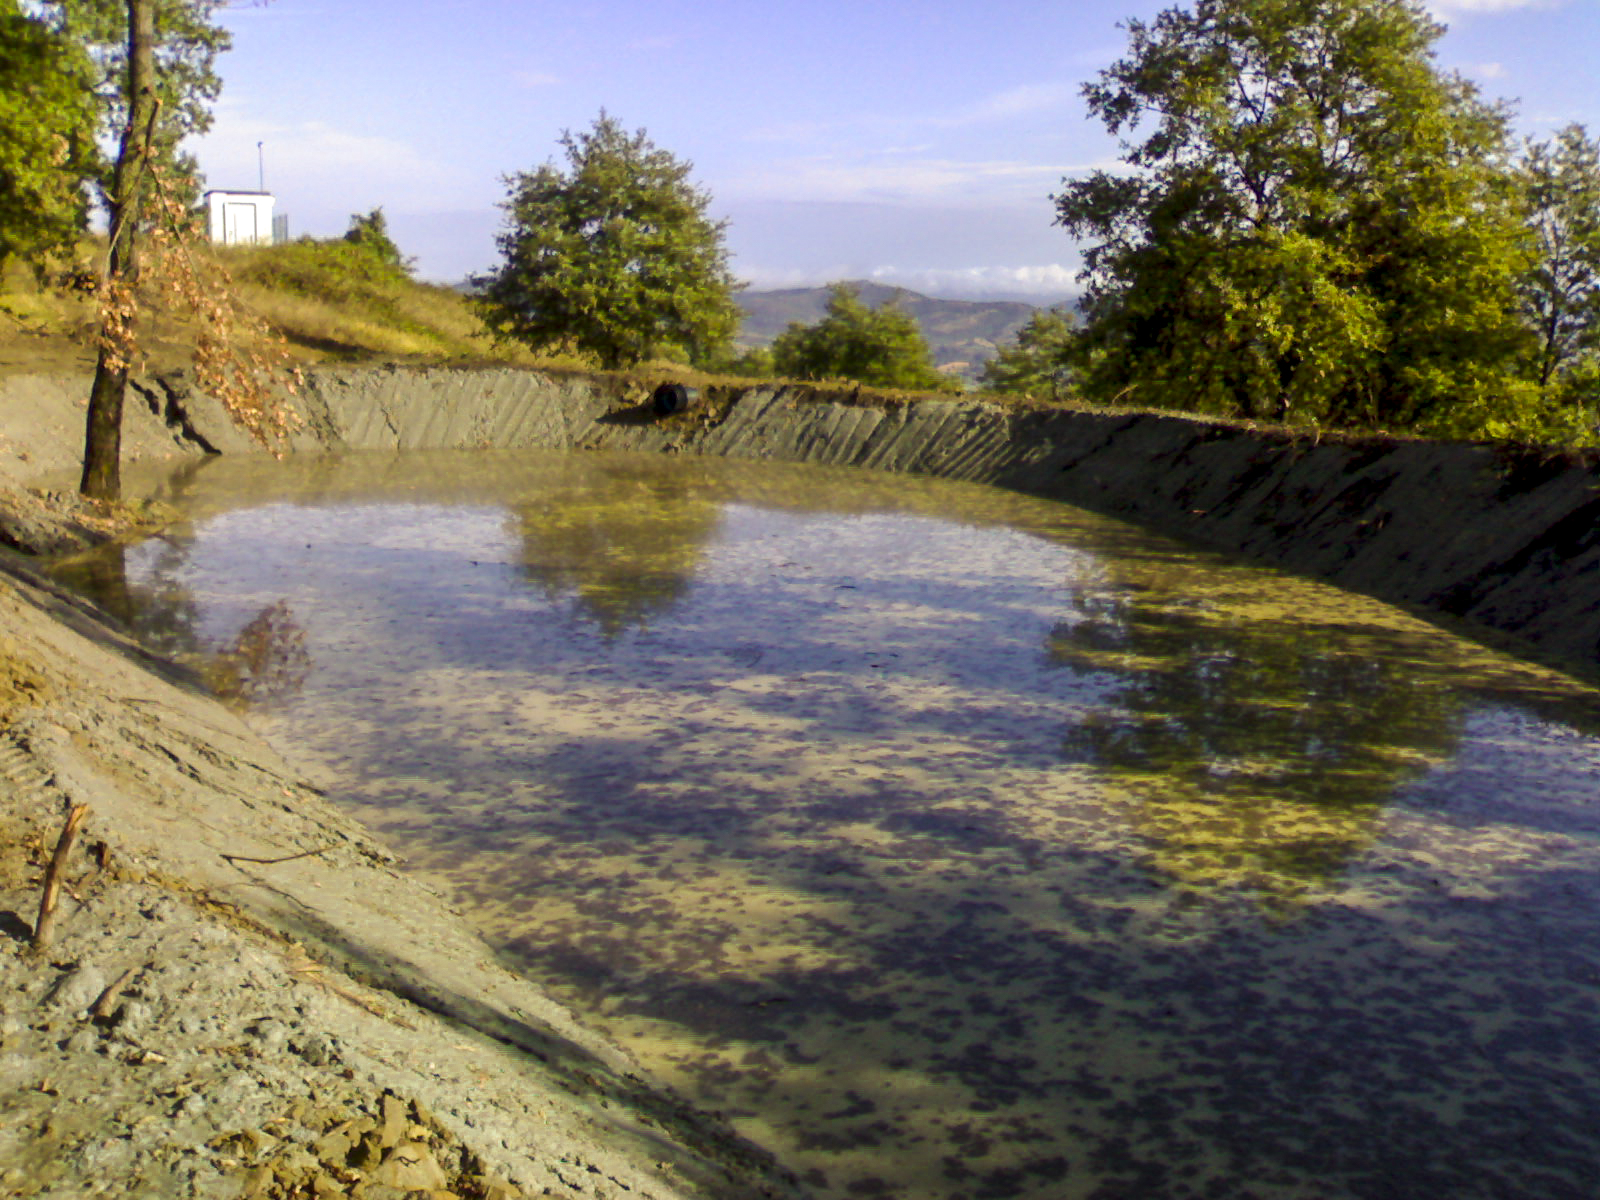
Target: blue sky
[917, 143]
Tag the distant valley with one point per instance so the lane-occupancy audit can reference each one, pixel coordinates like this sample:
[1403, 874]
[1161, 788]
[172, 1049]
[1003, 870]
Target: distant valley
[963, 332]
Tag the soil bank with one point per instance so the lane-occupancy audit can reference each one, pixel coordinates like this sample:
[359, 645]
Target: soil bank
[1503, 542]
[246, 996]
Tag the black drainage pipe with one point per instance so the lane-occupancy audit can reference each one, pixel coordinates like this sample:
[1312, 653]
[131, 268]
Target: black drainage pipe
[674, 397]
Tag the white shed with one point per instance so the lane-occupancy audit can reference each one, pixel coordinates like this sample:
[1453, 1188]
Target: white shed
[239, 218]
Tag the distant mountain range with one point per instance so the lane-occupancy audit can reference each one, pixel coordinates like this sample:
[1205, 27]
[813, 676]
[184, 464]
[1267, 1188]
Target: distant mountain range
[962, 334]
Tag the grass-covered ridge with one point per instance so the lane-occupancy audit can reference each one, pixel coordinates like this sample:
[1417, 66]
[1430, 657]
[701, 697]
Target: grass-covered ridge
[330, 300]
[336, 300]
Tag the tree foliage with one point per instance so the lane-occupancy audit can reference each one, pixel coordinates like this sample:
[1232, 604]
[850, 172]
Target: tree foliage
[64, 91]
[880, 346]
[369, 232]
[1320, 226]
[1037, 362]
[1561, 293]
[47, 126]
[151, 261]
[753, 362]
[614, 256]
[187, 42]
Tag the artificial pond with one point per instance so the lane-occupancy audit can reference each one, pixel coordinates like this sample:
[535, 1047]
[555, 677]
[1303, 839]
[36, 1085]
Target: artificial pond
[953, 843]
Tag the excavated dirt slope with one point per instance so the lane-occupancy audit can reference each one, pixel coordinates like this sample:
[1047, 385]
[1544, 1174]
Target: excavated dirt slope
[1507, 540]
[245, 995]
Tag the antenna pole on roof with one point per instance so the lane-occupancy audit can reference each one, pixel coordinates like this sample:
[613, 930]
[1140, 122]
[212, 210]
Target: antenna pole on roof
[261, 169]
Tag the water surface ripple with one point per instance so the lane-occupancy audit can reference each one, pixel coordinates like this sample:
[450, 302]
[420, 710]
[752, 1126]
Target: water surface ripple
[955, 844]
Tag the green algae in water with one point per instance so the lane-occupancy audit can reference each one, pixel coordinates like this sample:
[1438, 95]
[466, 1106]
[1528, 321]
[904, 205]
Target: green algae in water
[955, 844]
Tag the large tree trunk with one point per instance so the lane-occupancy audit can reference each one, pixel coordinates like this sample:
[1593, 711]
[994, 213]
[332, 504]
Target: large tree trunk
[102, 441]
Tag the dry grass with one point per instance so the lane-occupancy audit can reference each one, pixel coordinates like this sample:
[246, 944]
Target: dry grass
[43, 328]
[328, 302]
[333, 301]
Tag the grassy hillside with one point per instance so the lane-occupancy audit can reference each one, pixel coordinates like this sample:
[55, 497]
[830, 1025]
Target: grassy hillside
[334, 302]
[330, 300]
[42, 328]
[957, 331]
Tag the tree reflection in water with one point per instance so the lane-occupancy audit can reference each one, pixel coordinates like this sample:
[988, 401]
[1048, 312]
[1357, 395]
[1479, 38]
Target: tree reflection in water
[159, 612]
[266, 661]
[623, 542]
[1260, 747]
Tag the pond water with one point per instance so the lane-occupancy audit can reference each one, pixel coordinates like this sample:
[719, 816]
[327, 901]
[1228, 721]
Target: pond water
[954, 844]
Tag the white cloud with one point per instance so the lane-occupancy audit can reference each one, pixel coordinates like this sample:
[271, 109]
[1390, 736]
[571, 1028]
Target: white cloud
[897, 179]
[314, 167]
[660, 41]
[1020, 101]
[1051, 280]
[1010, 104]
[534, 79]
[793, 131]
[1450, 8]
[771, 279]
[1486, 70]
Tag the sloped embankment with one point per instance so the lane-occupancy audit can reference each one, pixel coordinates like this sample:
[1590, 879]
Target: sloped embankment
[245, 995]
[1507, 540]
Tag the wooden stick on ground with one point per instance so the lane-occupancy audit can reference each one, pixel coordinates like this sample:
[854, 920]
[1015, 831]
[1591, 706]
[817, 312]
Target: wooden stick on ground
[108, 998]
[240, 858]
[45, 925]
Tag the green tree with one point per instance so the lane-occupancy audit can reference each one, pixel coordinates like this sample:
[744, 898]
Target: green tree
[131, 177]
[879, 346]
[1561, 294]
[187, 40]
[370, 232]
[614, 256]
[150, 236]
[1321, 226]
[755, 362]
[47, 127]
[1037, 362]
